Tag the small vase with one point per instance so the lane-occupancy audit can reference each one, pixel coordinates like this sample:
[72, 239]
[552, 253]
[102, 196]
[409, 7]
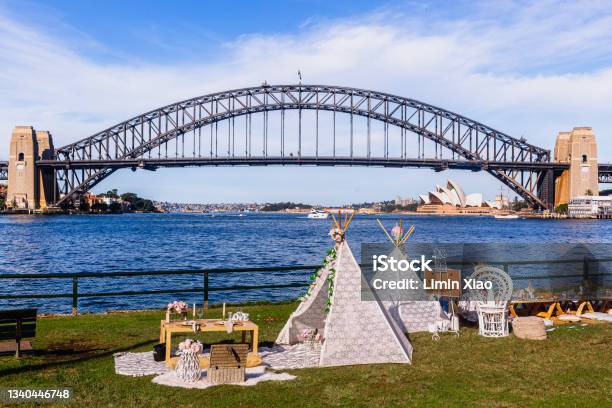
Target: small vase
[188, 367]
[310, 343]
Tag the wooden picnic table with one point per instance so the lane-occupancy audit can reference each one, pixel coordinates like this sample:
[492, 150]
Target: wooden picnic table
[209, 326]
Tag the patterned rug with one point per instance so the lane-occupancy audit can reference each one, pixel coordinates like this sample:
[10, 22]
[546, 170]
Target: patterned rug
[141, 364]
[138, 364]
[253, 376]
[291, 357]
[277, 358]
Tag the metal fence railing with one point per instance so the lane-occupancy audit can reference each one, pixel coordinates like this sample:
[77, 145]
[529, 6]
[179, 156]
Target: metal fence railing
[205, 289]
[584, 269]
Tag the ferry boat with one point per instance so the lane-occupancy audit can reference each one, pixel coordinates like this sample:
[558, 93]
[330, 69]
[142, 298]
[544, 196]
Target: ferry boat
[317, 214]
[506, 216]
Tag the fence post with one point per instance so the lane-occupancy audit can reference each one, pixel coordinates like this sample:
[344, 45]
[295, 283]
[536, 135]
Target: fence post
[75, 296]
[205, 290]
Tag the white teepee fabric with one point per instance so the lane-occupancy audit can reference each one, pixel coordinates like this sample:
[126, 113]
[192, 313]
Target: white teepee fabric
[413, 315]
[311, 312]
[357, 331]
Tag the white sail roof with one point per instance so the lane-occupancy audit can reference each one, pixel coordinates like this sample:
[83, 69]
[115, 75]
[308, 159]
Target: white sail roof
[473, 200]
[453, 186]
[437, 197]
[453, 198]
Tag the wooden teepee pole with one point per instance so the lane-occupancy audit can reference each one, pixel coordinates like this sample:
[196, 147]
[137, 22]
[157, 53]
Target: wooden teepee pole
[335, 222]
[408, 234]
[384, 230]
[348, 221]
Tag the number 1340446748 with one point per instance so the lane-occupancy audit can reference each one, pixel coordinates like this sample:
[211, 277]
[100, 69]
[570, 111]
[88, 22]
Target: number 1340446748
[34, 394]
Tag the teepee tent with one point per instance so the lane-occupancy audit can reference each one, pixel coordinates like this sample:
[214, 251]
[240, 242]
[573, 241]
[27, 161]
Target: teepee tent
[411, 315]
[354, 331]
[311, 312]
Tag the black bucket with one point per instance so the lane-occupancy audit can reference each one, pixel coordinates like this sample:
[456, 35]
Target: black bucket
[159, 352]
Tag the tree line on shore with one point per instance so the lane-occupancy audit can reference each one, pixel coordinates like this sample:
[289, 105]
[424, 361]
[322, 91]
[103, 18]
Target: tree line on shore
[131, 202]
[126, 202]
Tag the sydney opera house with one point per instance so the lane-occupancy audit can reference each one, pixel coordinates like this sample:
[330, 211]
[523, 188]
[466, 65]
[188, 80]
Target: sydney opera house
[452, 200]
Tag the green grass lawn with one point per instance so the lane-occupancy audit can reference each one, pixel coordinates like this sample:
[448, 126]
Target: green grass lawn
[571, 368]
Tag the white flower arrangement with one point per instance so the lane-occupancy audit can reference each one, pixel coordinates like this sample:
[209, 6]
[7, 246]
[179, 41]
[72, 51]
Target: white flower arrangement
[337, 235]
[311, 337]
[178, 307]
[191, 346]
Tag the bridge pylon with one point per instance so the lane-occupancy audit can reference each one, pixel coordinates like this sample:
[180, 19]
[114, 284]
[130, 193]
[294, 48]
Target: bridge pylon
[578, 148]
[30, 187]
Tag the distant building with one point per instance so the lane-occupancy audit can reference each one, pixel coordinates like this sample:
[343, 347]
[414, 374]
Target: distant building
[501, 201]
[404, 201]
[452, 199]
[103, 198]
[590, 207]
[90, 199]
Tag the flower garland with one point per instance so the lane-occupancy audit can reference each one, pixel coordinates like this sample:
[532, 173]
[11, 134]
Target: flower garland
[329, 259]
[330, 288]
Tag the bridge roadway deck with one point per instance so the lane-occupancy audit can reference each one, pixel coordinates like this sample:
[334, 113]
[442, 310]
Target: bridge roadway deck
[438, 164]
[605, 169]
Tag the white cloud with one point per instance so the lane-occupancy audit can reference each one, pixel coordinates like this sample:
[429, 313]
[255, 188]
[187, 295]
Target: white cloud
[529, 70]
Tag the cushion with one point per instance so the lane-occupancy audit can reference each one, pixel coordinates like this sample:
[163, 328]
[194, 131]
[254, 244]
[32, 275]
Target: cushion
[597, 316]
[568, 318]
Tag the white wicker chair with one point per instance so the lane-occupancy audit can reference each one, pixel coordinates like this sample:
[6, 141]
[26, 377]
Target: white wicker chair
[492, 318]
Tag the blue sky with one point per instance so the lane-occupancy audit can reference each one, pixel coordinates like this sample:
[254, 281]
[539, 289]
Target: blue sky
[527, 68]
[161, 31]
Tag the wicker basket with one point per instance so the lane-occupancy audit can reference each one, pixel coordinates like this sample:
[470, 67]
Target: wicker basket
[227, 363]
[529, 328]
[226, 375]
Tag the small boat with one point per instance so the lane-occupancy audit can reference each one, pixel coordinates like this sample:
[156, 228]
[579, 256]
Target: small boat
[506, 216]
[319, 215]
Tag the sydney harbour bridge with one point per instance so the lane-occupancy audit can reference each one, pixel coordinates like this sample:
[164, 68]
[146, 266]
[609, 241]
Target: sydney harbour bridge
[303, 125]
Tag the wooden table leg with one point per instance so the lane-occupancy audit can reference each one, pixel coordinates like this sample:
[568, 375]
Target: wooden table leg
[168, 345]
[579, 310]
[512, 311]
[162, 331]
[584, 304]
[548, 314]
[559, 309]
[253, 359]
[590, 307]
[255, 340]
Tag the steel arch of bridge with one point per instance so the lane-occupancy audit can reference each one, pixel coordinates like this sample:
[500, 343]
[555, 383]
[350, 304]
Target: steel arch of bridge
[81, 165]
[605, 173]
[3, 170]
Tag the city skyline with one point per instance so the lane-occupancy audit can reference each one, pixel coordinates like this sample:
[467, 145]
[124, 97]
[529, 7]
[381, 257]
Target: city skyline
[524, 69]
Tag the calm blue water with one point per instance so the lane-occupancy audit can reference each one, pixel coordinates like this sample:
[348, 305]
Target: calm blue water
[38, 244]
